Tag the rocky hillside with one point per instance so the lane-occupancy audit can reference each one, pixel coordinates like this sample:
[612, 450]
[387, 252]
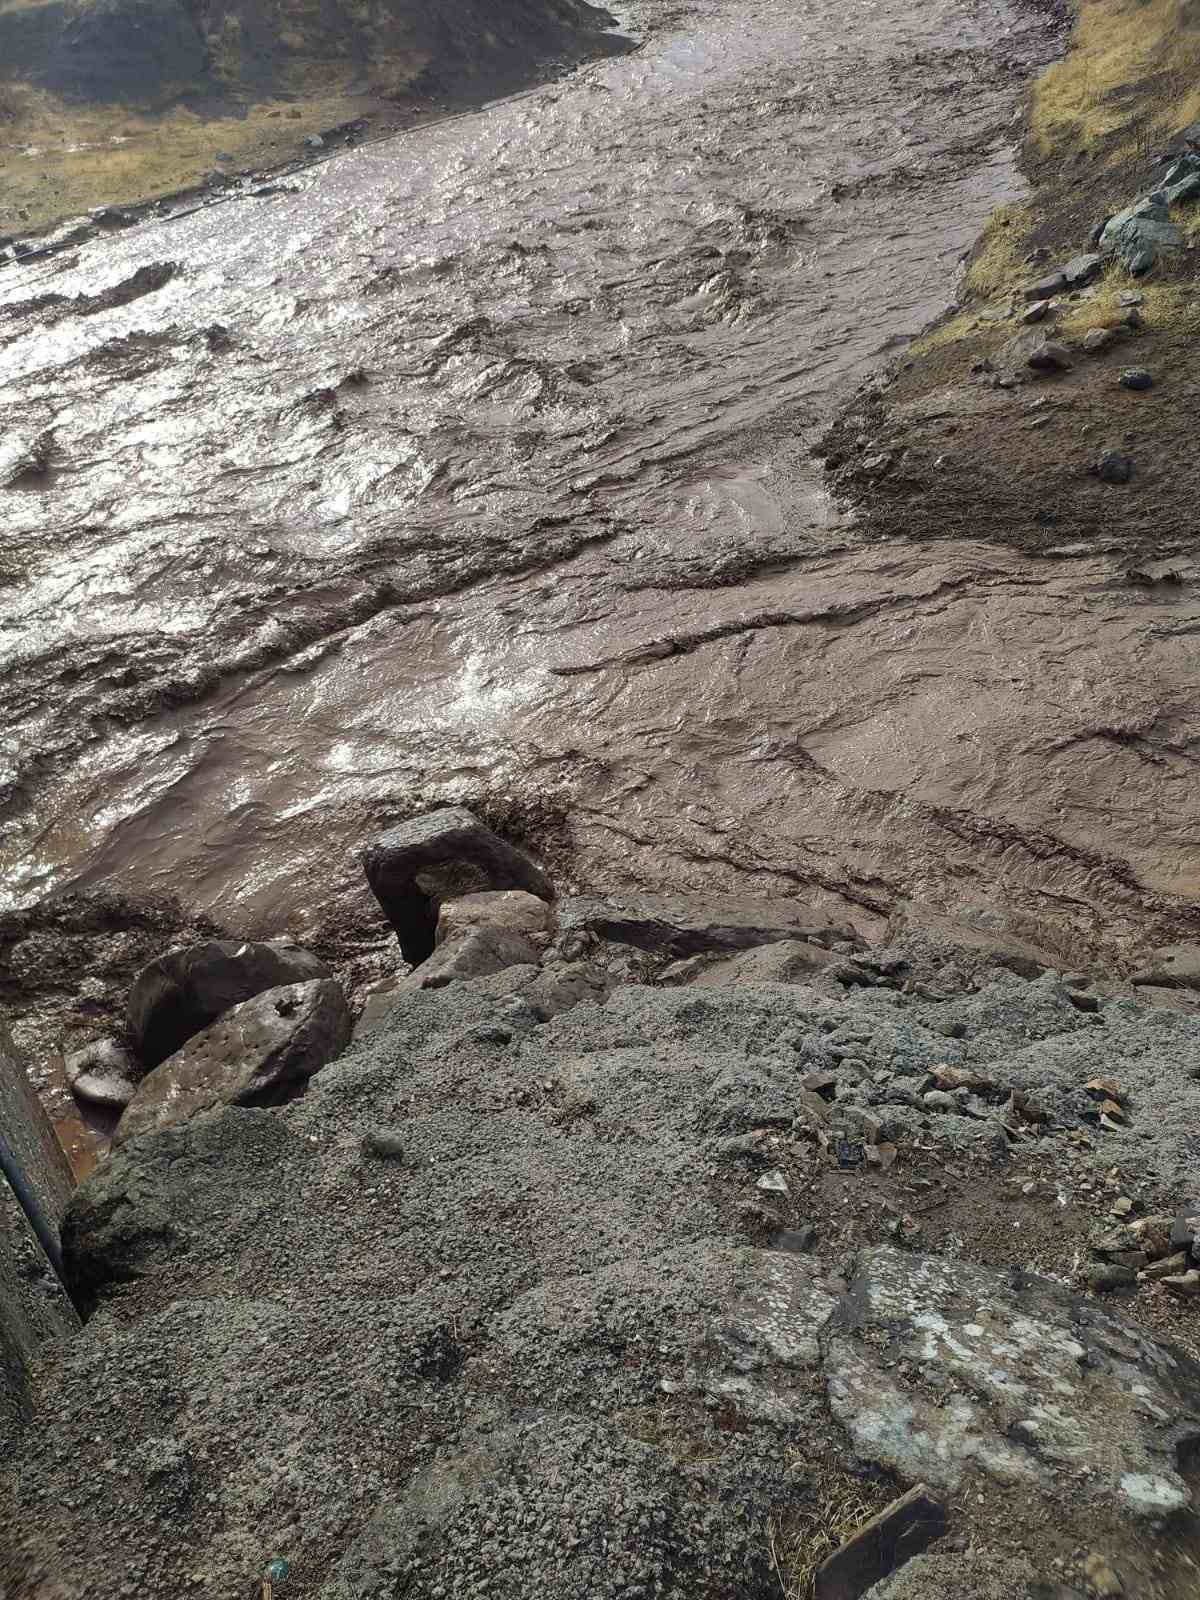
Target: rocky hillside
[558, 1278]
[136, 51]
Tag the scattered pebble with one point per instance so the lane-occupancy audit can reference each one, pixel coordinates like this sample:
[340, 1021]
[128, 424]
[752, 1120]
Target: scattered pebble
[1136, 378]
[1113, 466]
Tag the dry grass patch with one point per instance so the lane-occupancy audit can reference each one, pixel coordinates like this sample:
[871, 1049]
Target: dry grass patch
[802, 1538]
[1097, 90]
[998, 262]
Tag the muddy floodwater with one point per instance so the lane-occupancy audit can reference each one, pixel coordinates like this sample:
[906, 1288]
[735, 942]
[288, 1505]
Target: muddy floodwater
[478, 463]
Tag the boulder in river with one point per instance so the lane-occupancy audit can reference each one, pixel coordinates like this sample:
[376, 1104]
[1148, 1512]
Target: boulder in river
[259, 1053]
[184, 990]
[442, 855]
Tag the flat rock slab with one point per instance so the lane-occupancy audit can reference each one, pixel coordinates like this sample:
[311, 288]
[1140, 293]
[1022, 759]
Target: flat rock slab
[415, 865]
[1011, 1376]
[258, 1053]
[181, 992]
[679, 925]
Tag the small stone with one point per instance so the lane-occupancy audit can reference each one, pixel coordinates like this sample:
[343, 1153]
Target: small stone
[1153, 1235]
[940, 1100]
[1104, 1089]
[314, 141]
[1184, 1231]
[1050, 357]
[1109, 1124]
[1168, 1267]
[1045, 288]
[1122, 1206]
[1101, 1578]
[385, 1144]
[882, 1156]
[773, 1182]
[1081, 270]
[1037, 312]
[1136, 378]
[1185, 1284]
[1112, 466]
[1097, 339]
[1103, 1276]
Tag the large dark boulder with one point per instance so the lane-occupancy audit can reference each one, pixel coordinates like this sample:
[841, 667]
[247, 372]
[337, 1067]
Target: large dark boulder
[441, 855]
[260, 1053]
[126, 49]
[183, 991]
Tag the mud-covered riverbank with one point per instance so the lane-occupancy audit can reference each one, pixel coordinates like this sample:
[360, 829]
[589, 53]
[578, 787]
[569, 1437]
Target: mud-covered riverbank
[477, 465]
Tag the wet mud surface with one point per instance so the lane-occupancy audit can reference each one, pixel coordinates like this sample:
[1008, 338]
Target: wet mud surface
[479, 465]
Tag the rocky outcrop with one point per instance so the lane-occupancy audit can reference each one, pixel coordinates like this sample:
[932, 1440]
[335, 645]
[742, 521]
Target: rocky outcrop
[595, 1302]
[261, 1052]
[141, 51]
[185, 990]
[442, 855]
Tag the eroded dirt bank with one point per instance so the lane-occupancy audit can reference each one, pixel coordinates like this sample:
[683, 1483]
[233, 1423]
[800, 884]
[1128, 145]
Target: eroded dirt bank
[477, 466]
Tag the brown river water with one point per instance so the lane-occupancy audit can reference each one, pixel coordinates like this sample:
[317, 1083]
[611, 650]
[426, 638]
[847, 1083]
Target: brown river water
[478, 463]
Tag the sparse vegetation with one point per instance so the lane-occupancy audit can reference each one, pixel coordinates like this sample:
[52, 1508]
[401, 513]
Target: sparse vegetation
[803, 1537]
[1094, 92]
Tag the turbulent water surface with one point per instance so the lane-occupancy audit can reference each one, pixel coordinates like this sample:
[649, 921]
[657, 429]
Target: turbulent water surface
[477, 463]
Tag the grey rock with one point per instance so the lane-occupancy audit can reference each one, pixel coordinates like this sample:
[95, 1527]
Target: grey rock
[1175, 965]
[1113, 466]
[1139, 235]
[477, 952]
[1104, 1276]
[1037, 312]
[1023, 1357]
[1050, 357]
[511, 909]
[785, 961]
[1185, 1284]
[444, 854]
[970, 1575]
[1084, 269]
[1185, 191]
[261, 1052]
[1097, 340]
[385, 1144]
[1046, 288]
[102, 1073]
[1136, 378]
[185, 990]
